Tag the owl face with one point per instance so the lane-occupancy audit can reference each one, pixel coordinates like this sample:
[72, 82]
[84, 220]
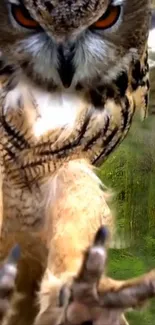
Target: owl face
[72, 43]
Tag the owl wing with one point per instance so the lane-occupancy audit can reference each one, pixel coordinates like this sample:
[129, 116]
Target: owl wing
[140, 84]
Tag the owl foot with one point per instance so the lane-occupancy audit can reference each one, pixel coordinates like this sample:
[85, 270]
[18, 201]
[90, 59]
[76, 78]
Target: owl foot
[91, 296]
[8, 272]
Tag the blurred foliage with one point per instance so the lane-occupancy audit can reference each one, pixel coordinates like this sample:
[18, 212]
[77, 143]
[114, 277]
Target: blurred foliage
[130, 172]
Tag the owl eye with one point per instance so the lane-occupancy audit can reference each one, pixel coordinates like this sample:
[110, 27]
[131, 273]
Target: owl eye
[109, 18]
[22, 17]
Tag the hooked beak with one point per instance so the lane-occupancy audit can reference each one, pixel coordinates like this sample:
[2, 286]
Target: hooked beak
[66, 68]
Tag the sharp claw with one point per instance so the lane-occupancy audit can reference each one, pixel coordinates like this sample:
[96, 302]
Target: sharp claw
[8, 269]
[8, 272]
[97, 256]
[64, 295]
[101, 236]
[14, 255]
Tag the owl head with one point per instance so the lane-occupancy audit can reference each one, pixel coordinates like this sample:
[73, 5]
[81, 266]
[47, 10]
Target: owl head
[72, 43]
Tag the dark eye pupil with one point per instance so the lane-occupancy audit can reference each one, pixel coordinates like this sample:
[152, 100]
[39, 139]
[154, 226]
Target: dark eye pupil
[88, 322]
[25, 12]
[106, 14]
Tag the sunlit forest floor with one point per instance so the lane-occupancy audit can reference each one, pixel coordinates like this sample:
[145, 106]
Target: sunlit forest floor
[130, 172]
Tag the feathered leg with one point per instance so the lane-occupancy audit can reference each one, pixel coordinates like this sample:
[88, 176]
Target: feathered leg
[76, 208]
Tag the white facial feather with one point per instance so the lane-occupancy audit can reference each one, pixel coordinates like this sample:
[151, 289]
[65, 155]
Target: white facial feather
[90, 50]
[92, 57]
[43, 54]
[93, 54]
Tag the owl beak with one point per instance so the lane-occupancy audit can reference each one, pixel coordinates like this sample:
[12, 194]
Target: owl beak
[66, 67]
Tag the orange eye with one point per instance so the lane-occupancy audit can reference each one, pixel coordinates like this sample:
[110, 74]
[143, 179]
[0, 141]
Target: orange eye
[109, 18]
[22, 16]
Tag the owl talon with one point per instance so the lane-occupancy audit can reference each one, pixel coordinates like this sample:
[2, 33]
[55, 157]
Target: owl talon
[8, 272]
[90, 298]
[14, 255]
[101, 236]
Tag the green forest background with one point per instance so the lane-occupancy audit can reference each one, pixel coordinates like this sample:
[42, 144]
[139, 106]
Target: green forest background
[130, 172]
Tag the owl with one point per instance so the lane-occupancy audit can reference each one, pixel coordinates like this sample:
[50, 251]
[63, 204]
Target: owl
[72, 75]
